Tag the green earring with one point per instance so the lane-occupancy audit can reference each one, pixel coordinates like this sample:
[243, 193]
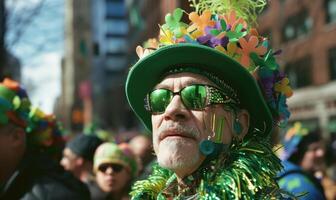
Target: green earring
[207, 147]
[237, 127]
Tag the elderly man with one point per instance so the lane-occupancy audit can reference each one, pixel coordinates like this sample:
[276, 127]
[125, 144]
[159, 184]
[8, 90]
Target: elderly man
[25, 173]
[212, 95]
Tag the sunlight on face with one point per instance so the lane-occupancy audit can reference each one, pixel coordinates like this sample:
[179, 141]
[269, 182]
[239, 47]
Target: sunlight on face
[113, 182]
[178, 131]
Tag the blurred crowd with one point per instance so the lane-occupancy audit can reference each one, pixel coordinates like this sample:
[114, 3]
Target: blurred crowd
[37, 161]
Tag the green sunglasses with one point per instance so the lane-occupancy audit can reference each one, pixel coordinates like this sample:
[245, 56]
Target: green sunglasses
[194, 97]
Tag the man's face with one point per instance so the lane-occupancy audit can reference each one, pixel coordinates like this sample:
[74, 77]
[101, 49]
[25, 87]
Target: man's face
[112, 178]
[178, 131]
[12, 148]
[313, 158]
[5, 141]
[70, 160]
[141, 146]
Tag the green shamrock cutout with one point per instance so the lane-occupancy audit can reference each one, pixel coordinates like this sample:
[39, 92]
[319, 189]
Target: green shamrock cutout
[173, 23]
[236, 34]
[216, 32]
[267, 61]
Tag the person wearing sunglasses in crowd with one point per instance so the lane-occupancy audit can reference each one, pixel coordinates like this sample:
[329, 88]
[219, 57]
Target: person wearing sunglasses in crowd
[115, 167]
[27, 168]
[211, 92]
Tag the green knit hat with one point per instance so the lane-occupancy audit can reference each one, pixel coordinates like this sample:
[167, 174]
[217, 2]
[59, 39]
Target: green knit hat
[118, 154]
[220, 40]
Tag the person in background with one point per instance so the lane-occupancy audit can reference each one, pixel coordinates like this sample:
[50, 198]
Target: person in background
[329, 180]
[45, 134]
[143, 148]
[303, 156]
[78, 159]
[25, 172]
[115, 168]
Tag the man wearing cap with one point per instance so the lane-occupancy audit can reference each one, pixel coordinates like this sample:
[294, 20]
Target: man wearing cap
[211, 93]
[26, 173]
[78, 156]
[78, 159]
[115, 167]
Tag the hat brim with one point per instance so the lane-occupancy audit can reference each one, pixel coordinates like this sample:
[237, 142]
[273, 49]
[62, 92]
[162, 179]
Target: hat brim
[148, 71]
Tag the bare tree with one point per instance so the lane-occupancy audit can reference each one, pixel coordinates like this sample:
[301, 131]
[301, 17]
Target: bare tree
[20, 18]
[26, 29]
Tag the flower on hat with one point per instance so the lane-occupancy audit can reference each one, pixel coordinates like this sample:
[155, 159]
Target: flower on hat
[143, 52]
[44, 131]
[249, 46]
[200, 22]
[14, 103]
[233, 20]
[284, 87]
[166, 37]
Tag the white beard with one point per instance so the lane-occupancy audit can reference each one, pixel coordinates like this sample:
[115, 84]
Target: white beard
[177, 153]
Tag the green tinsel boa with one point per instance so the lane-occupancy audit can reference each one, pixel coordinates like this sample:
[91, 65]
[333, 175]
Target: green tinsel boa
[246, 171]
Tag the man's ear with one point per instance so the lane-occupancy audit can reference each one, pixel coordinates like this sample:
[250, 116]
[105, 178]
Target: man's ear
[244, 120]
[79, 161]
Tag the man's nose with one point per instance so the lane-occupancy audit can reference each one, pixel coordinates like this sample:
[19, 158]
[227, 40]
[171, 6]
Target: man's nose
[176, 111]
[63, 162]
[319, 152]
[109, 170]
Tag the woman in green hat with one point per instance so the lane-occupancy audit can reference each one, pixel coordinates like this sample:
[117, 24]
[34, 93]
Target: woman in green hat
[211, 92]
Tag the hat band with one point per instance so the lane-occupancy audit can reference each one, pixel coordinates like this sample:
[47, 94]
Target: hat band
[215, 79]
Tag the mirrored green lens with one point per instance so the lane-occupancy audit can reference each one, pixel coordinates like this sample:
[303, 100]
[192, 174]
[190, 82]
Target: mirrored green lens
[160, 99]
[194, 96]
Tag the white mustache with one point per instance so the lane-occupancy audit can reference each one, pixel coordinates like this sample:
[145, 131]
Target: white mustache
[178, 128]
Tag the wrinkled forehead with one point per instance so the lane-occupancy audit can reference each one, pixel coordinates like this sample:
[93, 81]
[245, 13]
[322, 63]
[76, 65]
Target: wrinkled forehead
[183, 79]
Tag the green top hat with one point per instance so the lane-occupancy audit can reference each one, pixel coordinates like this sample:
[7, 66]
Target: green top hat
[223, 45]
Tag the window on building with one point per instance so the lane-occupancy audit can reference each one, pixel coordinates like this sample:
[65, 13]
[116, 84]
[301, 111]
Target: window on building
[96, 49]
[115, 9]
[299, 73]
[115, 63]
[297, 25]
[116, 45]
[332, 63]
[331, 11]
[116, 27]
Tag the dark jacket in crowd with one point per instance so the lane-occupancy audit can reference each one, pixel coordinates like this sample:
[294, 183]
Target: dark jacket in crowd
[40, 178]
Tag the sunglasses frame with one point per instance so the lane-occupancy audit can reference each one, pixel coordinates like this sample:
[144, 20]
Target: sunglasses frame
[214, 96]
[112, 165]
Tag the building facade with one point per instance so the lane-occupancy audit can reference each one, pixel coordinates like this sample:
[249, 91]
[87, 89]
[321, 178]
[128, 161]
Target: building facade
[305, 30]
[110, 29]
[74, 109]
